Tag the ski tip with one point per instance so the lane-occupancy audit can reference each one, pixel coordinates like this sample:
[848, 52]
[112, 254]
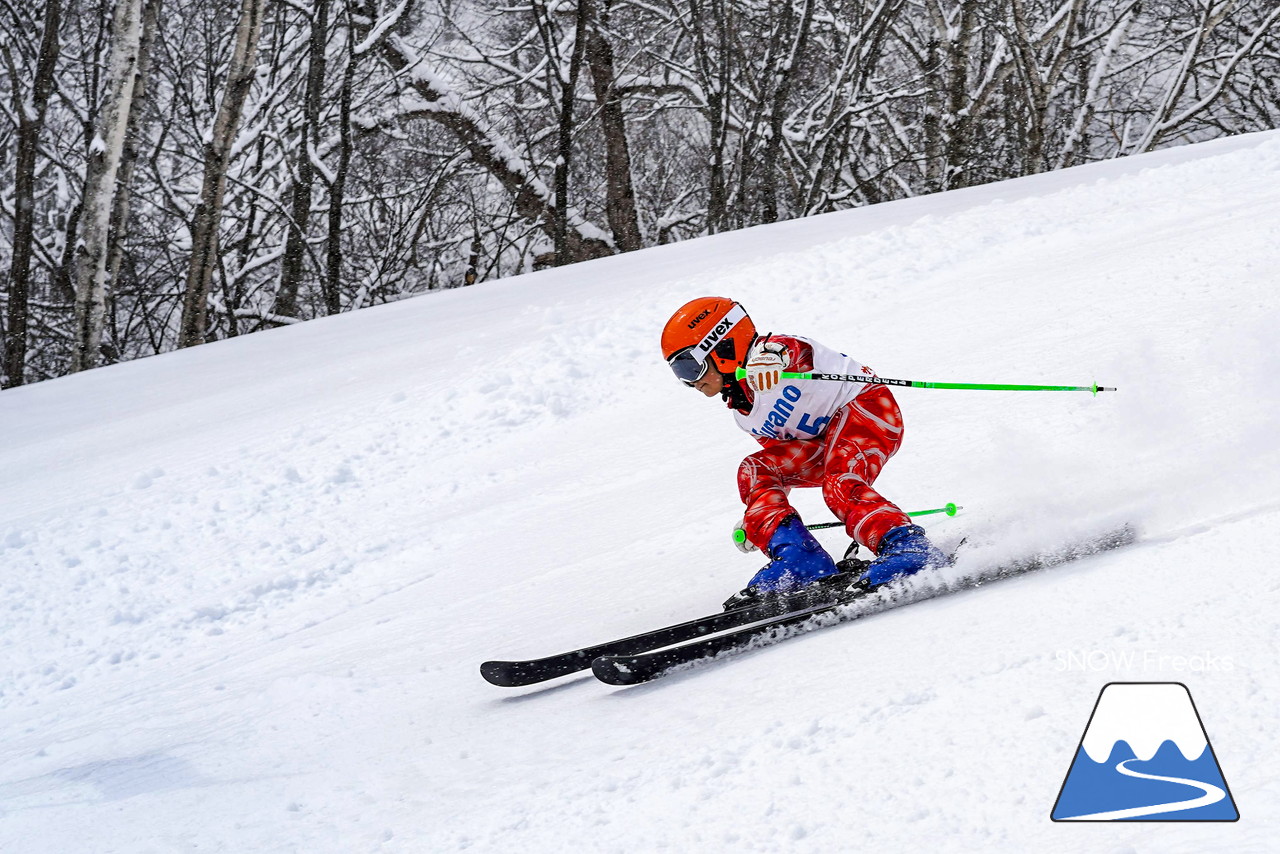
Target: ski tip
[613, 670]
[500, 673]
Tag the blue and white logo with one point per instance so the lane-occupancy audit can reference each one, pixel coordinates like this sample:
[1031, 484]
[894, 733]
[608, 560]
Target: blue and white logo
[1145, 757]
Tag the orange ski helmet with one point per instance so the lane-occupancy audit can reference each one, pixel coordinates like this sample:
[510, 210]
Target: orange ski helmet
[714, 328]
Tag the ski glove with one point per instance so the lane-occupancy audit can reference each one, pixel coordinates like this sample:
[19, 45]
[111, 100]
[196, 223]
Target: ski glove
[740, 538]
[766, 361]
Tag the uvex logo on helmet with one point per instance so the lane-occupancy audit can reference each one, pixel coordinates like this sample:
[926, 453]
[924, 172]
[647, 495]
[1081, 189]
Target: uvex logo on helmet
[713, 337]
[699, 318]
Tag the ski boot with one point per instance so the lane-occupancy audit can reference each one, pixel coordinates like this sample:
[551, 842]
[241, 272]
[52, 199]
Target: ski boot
[903, 551]
[797, 562]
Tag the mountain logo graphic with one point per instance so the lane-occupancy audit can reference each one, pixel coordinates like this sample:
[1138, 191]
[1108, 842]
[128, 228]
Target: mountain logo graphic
[1145, 756]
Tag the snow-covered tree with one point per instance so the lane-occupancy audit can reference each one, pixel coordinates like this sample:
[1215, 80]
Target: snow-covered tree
[286, 159]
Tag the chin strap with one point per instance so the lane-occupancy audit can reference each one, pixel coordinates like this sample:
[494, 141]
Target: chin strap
[734, 395]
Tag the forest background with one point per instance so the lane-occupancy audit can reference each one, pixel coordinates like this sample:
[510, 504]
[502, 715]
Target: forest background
[174, 172]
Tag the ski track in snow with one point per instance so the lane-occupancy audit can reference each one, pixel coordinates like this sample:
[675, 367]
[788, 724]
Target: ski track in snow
[246, 587]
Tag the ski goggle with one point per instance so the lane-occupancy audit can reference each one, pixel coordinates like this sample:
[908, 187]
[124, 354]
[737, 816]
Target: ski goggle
[686, 367]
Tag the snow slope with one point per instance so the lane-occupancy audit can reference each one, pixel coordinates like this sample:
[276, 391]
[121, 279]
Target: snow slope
[246, 588]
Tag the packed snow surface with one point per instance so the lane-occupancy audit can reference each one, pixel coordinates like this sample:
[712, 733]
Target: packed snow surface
[246, 588]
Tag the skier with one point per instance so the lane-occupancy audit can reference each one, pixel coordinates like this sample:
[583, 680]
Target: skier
[814, 433]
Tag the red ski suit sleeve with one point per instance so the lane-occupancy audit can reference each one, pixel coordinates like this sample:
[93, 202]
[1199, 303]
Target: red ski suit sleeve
[799, 357]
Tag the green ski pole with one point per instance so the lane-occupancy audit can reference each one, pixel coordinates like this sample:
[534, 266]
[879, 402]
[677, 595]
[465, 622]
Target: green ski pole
[857, 378]
[739, 536]
[950, 510]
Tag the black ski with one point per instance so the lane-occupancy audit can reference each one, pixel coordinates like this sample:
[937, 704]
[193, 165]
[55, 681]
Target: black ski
[513, 674]
[630, 669]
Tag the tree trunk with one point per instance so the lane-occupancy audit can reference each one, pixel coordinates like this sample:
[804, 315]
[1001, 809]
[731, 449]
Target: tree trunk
[959, 118]
[291, 269]
[783, 75]
[715, 71]
[105, 154]
[217, 154]
[337, 192]
[620, 195]
[30, 113]
[1076, 143]
[564, 140]
[129, 157]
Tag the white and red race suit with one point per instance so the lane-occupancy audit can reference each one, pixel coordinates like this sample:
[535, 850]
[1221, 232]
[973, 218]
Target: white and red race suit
[819, 433]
